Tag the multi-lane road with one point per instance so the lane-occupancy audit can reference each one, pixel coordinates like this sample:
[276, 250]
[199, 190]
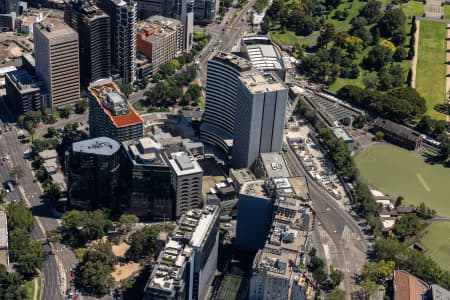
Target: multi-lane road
[348, 242]
[28, 190]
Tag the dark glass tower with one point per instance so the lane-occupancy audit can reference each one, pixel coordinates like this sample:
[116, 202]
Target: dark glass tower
[93, 27]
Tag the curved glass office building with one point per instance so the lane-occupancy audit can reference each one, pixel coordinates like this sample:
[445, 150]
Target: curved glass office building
[223, 73]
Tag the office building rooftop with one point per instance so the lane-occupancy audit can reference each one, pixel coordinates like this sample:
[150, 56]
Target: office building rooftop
[158, 26]
[54, 28]
[98, 146]
[262, 53]
[233, 60]
[257, 82]
[145, 151]
[23, 81]
[114, 104]
[191, 232]
[183, 164]
[256, 188]
[274, 165]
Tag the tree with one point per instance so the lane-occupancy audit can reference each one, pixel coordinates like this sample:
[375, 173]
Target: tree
[408, 225]
[31, 259]
[65, 111]
[102, 252]
[400, 54]
[369, 287]
[16, 172]
[398, 201]
[19, 217]
[166, 69]
[96, 277]
[371, 11]
[52, 191]
[336, 294]
[81, 106]
[392, 20]
[327, 34]
[11, 287]
[378, 271]
[336, 276]
[378, 57]
[50, 116]
[53, 236]
[127, 89]
[379, 135]
[128, 220]
[51, 132]
[83, 226]
[143, 243]
[3, 195]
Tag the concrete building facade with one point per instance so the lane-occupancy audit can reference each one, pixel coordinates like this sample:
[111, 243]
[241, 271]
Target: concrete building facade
[186, 266]
[223, 72]
[160, 39]
[57, 61]
[93, 27]
[111, 116]
[260, 116]
[186, 181]
[23, 92]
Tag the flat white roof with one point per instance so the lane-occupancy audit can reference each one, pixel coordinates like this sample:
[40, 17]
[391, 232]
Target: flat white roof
[201, 230]
[181, 166]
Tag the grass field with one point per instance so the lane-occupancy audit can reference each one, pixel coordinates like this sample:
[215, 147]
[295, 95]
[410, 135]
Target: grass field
[229, 288]
[413, 8]
[447, 11]
[431, 67]
[397, 171]
[437, 242]
[352, 7]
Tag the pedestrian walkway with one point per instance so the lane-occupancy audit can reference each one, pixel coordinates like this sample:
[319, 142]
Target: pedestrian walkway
[416, 55]
[447, 77]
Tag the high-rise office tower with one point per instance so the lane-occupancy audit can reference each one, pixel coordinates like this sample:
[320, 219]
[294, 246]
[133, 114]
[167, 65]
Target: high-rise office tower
[94, 172]
[148, 179]
[93, 27]
[186, 181]
[9, 6]
[223, 73]
[57, 61]
[259, 118]
[205, 11]
[123, 16]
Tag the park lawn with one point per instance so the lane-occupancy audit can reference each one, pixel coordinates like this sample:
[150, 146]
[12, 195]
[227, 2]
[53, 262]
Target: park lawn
[29, 286]
[399, 172]
[287, 37]
[437, 242]
[352, 7]
[413, 8]
[431, 67]
[447, 11]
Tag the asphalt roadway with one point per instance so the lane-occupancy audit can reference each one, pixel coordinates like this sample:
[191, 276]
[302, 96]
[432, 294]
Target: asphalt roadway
[32, 194]
[349, 241]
